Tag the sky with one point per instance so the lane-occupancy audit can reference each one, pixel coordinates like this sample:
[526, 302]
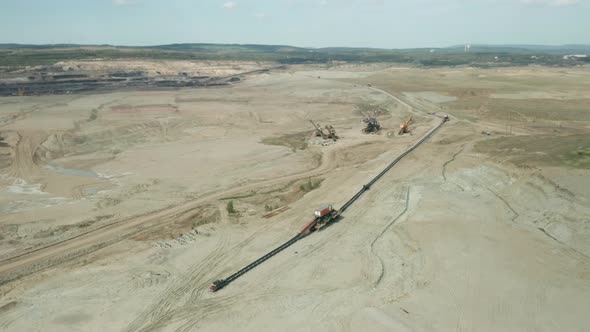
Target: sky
[306, 23]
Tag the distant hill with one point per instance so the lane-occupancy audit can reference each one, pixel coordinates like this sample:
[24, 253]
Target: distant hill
[255, 48]
[547, 49]
[170, 47]
[46, 46]
[226, 48]
[18, 55]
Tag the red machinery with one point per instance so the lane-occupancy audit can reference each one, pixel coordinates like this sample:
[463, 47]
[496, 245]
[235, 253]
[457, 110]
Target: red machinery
[323, 216]
[323, 211]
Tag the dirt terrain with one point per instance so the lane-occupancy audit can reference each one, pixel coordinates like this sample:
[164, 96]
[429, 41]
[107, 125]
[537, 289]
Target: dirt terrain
[101, 75]
[118, 210]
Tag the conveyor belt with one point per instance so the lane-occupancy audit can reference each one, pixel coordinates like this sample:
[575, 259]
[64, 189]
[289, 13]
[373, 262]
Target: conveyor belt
[219, 284]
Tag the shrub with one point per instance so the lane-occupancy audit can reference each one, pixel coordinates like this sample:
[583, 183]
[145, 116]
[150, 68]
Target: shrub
[230, 207]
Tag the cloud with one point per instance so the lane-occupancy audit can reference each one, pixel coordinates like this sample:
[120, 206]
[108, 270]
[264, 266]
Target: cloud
[125, 2]
[230, 5]
[554, 3]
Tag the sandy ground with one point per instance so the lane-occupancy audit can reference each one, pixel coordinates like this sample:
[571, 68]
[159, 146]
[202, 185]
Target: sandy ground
[451, 239]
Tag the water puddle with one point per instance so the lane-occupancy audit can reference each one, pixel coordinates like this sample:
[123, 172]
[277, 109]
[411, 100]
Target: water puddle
[20, 186]
[71, 171]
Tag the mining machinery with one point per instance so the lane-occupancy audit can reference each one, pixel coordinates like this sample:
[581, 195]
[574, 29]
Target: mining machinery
[404, 128]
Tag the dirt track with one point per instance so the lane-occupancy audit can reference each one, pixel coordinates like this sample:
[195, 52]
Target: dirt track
[48, 256]
[41, 258]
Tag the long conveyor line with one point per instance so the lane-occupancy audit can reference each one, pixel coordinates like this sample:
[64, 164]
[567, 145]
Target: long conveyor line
[219, 284]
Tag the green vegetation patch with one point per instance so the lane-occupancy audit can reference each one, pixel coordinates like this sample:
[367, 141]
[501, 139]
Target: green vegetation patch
[295, 142]
[310, 185]
[370, 109]
[230, 208]
[246, 195]
[527, 109]
[29, 55]
[571, 151]
[579, 158]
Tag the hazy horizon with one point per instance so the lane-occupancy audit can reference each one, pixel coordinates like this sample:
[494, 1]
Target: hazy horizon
[302, 46]
[302, 23]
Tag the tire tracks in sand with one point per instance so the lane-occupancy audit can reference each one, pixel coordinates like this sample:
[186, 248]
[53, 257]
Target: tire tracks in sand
[444, 167]
[15, 267]
[191, 288]
[176, 291]
[380, 235]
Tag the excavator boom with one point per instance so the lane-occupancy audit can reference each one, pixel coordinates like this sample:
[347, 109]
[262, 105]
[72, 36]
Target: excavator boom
[405, 126]
[319, 131]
